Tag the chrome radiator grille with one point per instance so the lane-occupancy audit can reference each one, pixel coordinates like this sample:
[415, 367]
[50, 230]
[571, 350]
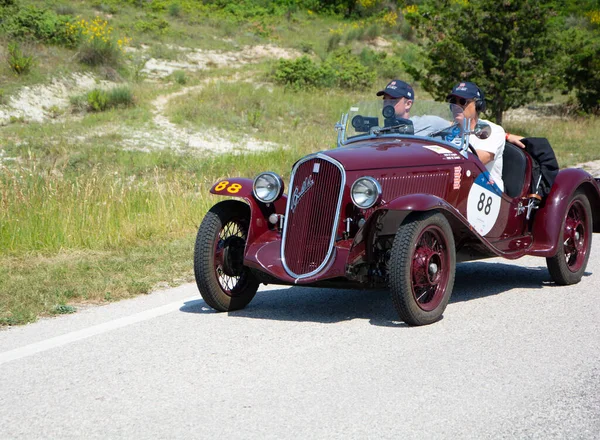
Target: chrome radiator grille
[311, 221]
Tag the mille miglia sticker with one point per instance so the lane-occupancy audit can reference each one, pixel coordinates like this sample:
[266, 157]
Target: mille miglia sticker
[298, 193]
[457, 177]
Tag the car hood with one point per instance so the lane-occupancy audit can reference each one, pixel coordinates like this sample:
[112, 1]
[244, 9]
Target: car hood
[390, 153]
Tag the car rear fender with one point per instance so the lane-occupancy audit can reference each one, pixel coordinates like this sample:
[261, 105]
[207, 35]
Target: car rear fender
[259, 212]
[548, 220]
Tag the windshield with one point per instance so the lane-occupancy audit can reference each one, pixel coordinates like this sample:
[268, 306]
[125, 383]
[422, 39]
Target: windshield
[377, 118]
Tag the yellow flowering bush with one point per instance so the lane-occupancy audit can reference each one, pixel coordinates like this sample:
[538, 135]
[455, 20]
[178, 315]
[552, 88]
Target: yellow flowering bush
[411, 9]
[390, 18]
[594, 17]
[367, 3]
[97, 43]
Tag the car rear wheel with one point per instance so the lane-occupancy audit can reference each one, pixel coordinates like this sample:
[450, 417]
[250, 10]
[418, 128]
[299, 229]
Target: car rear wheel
[421, 268]
[224, 282]
[575, 241]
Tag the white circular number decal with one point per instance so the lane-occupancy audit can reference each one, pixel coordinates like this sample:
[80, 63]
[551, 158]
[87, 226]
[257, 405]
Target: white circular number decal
[483, 204]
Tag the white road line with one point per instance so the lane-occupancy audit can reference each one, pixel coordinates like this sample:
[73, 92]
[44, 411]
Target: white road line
[59, 341]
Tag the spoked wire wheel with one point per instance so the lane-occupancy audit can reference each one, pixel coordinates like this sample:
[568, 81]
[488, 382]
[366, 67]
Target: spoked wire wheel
[429, 268]
[421, 268]
[569, 263]
[223, 281]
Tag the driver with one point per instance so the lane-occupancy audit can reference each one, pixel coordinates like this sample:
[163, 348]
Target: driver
[471, 100]
[401, 96]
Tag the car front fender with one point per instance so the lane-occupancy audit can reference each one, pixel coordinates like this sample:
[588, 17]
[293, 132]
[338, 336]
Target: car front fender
[548, 220]
[388, 217]
[259, 212]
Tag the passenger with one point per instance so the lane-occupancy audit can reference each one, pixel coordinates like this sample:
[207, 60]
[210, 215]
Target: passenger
[489, 150]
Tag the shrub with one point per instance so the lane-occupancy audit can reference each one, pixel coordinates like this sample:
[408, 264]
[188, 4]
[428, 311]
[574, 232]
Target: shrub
[333, 42]
[386, 66]
[97, 43]
[342, 69]
[180, 77]
[99, 100]
[303, 73]
[174, 10]
[152, 24]
[120, 97]
[349, 71]
[19, 62]
[38, 24]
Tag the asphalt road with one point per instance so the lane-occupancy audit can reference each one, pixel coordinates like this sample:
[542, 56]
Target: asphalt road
[514, 357]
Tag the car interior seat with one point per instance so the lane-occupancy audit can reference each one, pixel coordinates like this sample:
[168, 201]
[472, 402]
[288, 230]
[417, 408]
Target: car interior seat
[513, 170]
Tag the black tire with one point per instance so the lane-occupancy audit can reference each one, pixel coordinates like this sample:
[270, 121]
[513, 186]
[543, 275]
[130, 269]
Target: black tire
[575, 242]
[422, 267]
[223, 281]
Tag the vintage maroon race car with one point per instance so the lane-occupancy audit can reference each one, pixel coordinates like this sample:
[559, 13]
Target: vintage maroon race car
[396, 205]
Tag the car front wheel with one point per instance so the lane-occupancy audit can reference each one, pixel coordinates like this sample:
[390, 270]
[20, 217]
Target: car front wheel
[575, 241]
[224, 282]
[421, 268]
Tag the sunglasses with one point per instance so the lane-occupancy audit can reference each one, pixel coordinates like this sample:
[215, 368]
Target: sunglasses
[459, 101]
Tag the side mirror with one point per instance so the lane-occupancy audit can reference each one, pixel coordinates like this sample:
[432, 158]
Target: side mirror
[482, 130]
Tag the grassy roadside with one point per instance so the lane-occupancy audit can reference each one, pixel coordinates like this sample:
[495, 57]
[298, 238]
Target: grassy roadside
[85, 217]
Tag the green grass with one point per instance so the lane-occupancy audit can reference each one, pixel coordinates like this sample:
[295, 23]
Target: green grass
[574, 140]
[33, 285]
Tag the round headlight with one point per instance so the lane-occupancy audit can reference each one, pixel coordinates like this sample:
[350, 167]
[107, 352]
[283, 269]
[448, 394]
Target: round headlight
[365, 192]
[267, 187]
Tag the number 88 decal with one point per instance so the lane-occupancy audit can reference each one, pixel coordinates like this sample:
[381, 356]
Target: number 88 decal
[483, 205]
[231, 188]
[485, 208]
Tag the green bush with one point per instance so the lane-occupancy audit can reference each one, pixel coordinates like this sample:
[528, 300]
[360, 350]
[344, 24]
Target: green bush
[174, 10]
[333, 42]
[180, 77]
[152, 24]
[19, 62]
[120, 97]
[98, 52]
[386, 66]
[350, 72]
[99, 100]
[342, 69]
[303, 73]
[39, 24]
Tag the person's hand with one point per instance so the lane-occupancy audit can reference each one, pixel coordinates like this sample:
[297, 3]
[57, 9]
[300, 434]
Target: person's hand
[515, 140]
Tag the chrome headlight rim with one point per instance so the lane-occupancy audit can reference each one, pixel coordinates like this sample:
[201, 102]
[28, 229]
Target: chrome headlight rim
[276, 179]
[377, 192]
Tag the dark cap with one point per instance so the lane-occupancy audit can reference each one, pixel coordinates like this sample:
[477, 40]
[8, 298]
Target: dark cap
[467, 90]
[398, 89]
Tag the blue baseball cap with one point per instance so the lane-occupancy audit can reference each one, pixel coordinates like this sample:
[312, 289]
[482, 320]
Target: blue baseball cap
[467, 90]
[398, 89]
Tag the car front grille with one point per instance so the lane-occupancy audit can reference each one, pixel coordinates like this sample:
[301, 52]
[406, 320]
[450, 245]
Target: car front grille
[435, 183]
[312, 215]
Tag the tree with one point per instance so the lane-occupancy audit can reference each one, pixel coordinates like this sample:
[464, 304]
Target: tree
[503, 46]
[582, 69]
